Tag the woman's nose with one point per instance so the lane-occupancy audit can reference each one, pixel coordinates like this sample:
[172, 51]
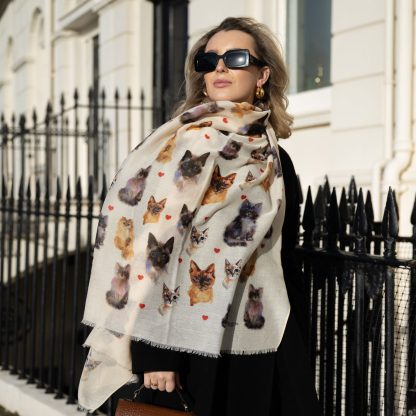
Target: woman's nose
[221, 67]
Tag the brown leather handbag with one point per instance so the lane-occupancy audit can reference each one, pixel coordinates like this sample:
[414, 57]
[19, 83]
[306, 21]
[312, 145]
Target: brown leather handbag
[127, 407]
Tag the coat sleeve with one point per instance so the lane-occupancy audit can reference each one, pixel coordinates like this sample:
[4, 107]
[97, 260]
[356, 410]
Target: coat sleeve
[293, 275]
[146, 357]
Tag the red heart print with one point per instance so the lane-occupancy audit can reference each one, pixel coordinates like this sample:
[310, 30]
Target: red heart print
[250, 139]
[168, 217]
[217, 250]
[243, 196]
[261, 170]
[207, 136]
[110, 207]
[140, 276]
[204, 317]
[161, 173]
[225, 120]
[206, 218]
[142, 305]
[180, 260]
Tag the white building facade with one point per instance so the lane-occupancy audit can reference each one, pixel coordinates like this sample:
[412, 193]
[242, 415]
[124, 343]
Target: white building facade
[361, 122]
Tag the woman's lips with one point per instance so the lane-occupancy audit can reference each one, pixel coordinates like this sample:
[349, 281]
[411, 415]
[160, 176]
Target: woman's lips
[221, 84]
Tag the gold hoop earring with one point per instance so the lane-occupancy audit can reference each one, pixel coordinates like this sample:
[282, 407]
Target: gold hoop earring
[259, 93]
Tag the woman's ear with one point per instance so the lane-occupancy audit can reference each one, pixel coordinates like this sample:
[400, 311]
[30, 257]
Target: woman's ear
[263, 76]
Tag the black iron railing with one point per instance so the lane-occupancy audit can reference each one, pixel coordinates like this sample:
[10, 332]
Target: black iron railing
[362, 305]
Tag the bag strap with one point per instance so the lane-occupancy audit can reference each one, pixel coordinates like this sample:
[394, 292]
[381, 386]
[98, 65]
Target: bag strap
[184, 404]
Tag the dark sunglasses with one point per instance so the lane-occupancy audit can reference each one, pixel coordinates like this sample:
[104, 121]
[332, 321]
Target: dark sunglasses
[233, 59]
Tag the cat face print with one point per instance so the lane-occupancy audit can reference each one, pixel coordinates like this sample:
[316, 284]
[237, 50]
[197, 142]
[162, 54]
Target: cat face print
[124, 237]
[261, 154]
[241, 109]
[158, 255]
[185, 218]
[230, 150]
[132, 193]
[154, 209]
[253, 313]
[243, 227]
[170, 297]
[117, 296]
[165, 155]
[199, 126]
[202, 282]
[197, 239]
[219, 185]
[232, 272]
[256, 129]
[199, 111]
[189, 169]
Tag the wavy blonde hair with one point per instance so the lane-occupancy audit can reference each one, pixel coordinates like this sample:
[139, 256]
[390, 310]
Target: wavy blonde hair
[268, 50]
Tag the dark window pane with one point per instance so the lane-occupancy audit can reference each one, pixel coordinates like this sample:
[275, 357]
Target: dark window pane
[170, 39]
[309, 44]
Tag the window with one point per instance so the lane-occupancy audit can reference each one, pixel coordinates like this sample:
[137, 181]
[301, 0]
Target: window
[170, 40]
[308, 44]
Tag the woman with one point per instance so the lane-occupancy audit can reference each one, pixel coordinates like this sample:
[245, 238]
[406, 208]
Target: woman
[232, 339]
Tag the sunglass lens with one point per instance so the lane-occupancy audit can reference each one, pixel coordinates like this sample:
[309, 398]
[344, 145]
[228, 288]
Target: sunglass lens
[205, 62]
[236, 59]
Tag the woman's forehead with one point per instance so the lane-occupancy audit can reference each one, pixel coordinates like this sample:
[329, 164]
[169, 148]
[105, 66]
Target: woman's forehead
[230, 39]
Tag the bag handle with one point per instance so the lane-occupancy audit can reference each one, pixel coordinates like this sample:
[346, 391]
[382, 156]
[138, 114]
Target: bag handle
[184, 404]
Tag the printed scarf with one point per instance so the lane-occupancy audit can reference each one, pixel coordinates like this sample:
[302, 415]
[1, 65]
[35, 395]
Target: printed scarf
[187, 252]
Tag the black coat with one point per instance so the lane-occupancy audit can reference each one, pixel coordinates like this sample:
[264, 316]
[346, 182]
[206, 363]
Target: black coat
[278, 383]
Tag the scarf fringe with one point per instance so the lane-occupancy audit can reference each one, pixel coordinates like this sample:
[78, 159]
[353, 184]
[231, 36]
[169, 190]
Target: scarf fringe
[193, 351]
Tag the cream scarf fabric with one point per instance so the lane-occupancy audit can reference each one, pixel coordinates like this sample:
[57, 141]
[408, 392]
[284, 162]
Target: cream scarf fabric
[187, 254]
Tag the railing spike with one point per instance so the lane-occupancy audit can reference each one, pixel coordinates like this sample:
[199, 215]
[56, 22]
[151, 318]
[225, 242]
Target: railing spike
[319, 205]
[21, 188]
[28, 190]
[104, 189]
[38, 190]
[360, 226]
[22, 122]
[390, 226]
[352, 191]
[369, 212]
[116, 95]
[333, 221]
[79, 189]
[76, 96]
[343, 207]
[327, 190]
[68, 189]
[62, 100]
[58, 189]
[308, 221]
[4, 186]
[90, 187]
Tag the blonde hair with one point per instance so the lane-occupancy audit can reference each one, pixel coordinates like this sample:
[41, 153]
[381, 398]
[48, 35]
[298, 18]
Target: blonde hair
[267, 50]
